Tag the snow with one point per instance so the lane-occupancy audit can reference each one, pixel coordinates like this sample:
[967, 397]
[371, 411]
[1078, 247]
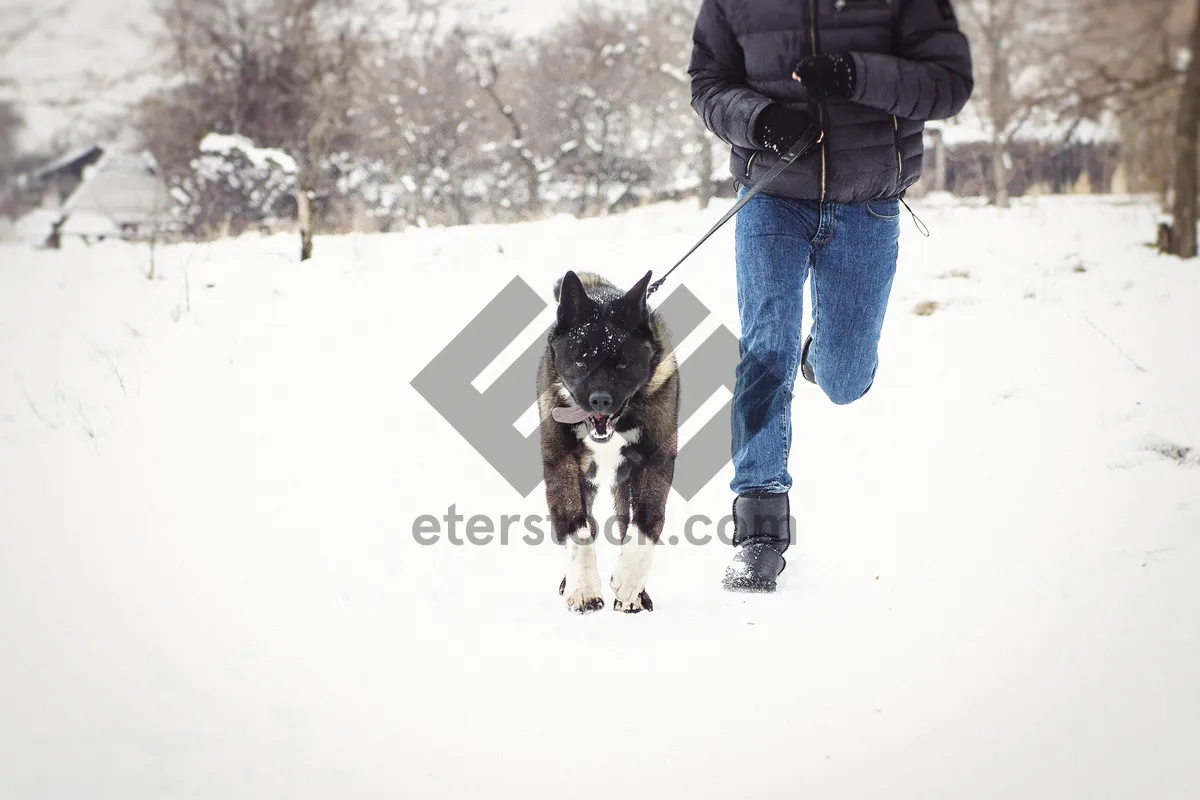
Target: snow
[264, 158]
[210, 587]
[33, 228]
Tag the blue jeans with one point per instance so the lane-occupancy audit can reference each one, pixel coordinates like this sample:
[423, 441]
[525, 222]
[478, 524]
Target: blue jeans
[851, 252]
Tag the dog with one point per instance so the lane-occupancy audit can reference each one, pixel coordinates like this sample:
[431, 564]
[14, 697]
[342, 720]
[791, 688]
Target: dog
[608, 401]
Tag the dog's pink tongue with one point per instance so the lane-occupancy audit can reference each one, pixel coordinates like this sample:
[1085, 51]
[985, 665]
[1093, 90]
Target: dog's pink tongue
[569, 416]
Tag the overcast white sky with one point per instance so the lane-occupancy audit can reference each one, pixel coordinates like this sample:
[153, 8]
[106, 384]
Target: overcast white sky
[100, 51]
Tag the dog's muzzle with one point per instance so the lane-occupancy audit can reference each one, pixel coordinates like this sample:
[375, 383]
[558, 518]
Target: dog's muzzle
[601, 427]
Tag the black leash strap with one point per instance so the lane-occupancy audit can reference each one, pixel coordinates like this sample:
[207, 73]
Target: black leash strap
[922, 228]
[791, 155]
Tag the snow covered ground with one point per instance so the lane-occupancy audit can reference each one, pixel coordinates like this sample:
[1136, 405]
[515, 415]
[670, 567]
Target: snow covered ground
[209, 585]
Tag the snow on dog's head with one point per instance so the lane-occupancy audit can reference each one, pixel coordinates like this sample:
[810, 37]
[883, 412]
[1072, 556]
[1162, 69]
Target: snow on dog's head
[603, 346]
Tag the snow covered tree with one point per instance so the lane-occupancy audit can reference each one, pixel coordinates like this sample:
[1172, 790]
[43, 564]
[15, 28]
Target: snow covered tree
[1018, 54]
[492, 57]
[1134, 60]
[689, 146]
[287, 74]
[583, 84]
[1182, 238]
[21, 19]
[427, 124]
[11, 124]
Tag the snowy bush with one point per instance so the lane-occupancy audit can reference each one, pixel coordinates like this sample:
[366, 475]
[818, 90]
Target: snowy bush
[233, 184]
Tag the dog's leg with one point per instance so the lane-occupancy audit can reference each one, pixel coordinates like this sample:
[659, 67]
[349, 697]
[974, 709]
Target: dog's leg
[570, 500]
[621, 505]
[651, 486]
[633, 567]
[582, 582]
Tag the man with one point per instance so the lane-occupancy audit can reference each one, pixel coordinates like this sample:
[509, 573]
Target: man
[848, 84]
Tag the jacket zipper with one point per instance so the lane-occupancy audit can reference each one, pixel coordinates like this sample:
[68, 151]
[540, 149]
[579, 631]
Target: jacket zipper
[750, 163]
[812, 33]
[899, 154]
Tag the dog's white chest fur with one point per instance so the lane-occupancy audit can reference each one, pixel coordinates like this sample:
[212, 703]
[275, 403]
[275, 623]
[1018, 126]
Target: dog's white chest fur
[607, 458]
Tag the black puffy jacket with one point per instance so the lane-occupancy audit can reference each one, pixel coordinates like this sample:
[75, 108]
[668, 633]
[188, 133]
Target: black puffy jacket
[912, 64]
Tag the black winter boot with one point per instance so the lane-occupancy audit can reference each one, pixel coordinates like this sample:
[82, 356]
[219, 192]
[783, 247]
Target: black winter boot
[762, 532]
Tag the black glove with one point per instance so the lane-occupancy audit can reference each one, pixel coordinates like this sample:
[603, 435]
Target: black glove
[779, 127]
[828, 76]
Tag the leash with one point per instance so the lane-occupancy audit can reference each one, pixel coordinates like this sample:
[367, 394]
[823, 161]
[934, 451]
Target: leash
[791, 155]
[922, 228]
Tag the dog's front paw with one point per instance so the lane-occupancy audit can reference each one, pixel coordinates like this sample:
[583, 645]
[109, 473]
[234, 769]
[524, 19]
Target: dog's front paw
[629, 578]
[630, 600]
[584, 602]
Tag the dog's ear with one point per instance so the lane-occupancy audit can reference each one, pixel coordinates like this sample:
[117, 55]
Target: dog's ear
[574, 305]
[631, 307]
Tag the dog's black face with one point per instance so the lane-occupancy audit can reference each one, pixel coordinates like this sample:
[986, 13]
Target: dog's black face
[603, 350]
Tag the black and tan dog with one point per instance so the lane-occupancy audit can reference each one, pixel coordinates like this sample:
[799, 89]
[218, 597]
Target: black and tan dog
[608, 390]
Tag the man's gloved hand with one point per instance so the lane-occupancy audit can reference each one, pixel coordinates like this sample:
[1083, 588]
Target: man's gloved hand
[779, 127]
[827, 76]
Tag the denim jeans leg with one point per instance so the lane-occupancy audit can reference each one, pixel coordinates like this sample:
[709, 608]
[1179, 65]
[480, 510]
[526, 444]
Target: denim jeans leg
[851, 283]
[774, 251]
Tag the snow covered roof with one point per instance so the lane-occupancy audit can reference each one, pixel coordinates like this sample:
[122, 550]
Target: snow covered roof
[123, 187]
[74, 158]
